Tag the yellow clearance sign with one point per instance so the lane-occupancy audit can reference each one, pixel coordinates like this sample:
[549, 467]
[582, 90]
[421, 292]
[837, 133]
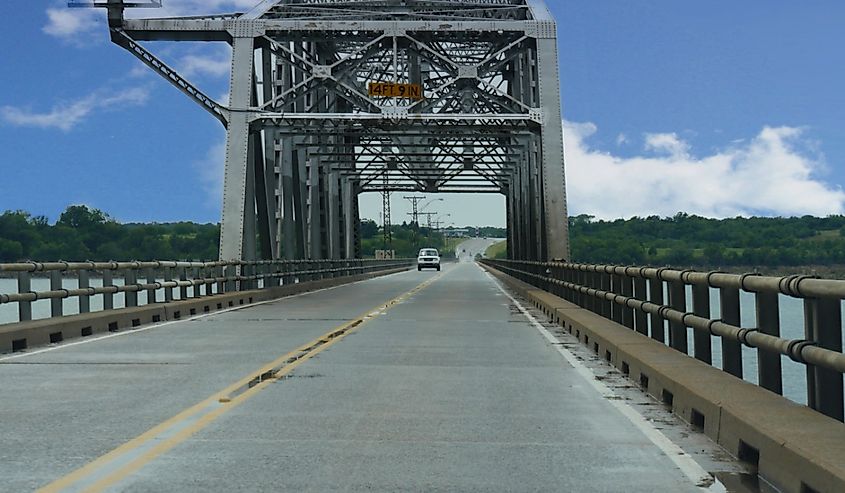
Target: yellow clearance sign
[394, 90]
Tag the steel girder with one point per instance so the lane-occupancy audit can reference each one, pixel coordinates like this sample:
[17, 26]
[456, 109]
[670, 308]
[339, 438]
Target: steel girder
[305, 137]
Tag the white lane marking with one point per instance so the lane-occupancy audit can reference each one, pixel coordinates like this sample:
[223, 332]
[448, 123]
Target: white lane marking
[685, 462]
[171, 322]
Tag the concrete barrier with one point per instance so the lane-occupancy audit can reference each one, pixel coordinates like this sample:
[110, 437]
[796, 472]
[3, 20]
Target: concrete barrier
[26, 335]
[792, 446]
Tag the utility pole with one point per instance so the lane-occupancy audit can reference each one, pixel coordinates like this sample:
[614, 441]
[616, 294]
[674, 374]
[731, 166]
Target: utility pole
[415, 216]
[415, 203]
[428, 215]
[387, 227]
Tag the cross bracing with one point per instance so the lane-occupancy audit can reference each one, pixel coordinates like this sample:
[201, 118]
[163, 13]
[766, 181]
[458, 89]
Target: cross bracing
[309, 127]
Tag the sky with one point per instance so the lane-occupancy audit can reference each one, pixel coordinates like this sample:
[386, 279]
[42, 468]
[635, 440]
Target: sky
[718, 108]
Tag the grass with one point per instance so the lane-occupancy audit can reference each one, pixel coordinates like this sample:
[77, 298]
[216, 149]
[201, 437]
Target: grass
[498, 250]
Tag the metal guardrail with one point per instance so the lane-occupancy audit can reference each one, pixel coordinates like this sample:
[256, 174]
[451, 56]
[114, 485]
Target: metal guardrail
[634, 297]
[193, 279]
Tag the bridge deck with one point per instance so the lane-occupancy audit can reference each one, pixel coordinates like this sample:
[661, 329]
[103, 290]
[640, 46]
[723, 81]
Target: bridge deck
[450, 388]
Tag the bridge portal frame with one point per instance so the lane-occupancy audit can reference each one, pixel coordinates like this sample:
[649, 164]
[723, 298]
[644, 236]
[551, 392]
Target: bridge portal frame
[304, 139]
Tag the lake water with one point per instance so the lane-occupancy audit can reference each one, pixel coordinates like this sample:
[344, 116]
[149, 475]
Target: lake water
[791, 321]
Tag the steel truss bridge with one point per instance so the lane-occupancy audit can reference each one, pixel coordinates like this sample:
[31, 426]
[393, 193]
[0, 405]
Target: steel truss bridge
[306, 136]
[320, 371]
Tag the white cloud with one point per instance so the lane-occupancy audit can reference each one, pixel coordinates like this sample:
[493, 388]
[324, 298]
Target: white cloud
[767, 175]
[210, 170]
[68, 24]
[667, 143]
[73, 25]
[213, 65]
[621, 139]
[65, 116]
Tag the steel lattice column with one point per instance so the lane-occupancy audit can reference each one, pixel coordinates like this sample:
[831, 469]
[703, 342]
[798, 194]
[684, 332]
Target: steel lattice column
[235, 243]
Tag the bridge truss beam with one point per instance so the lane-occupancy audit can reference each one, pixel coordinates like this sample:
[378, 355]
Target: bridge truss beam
[306, 136]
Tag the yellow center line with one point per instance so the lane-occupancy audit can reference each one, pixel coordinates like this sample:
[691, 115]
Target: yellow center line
[128, 458]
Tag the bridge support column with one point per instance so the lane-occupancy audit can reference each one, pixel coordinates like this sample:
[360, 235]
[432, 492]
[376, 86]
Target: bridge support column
[350, 219]
[333, 211]
[234, 239]
[315, 210]
[555, 220]
[289, 230]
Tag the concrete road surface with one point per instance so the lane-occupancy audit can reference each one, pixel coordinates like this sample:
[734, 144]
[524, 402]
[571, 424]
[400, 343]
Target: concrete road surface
[413, 382]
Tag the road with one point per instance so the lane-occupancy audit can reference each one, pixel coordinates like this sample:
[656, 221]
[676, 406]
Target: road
[411, 382]
[467, 250]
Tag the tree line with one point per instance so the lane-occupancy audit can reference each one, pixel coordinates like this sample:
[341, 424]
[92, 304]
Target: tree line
[82, 233]
[689, 240]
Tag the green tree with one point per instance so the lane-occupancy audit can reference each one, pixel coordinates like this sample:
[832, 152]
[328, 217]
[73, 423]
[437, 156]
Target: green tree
[369, 228]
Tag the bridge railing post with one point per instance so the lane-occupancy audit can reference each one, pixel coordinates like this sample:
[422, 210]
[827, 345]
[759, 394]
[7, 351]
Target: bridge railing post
[24, 286]
[729, 312]
[150, 277]
[83, 281]
[578, 280]
[768, 322]
[241, 271]
[702, 345]
[269, 279]
[553, 273]
[307, 268]
[589, 282]
[823, 326]
[677, 330]
[183, 289]
[564, 275]
[606, 285]
[130, 278]
[108, 281]
[196, 277]
[598, 306]
[56, 304]
[627, 292]
[208, 274]
[641, 293]
[168, 291]
[219, 273]
[616, 288]
[655, 295]
[285, 269]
